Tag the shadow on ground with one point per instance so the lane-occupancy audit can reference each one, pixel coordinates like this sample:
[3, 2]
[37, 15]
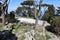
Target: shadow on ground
[6, 35]
[50, 29]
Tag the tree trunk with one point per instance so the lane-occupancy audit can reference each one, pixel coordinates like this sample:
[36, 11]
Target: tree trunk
[39, 14]
[6, 9]
[3, 11]
[35, 12]
[3, 17]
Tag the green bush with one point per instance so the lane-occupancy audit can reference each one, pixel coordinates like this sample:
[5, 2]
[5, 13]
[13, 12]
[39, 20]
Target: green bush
[1, 27]
[23, 37]
[47, 37]
[56, 24]
[12, 16]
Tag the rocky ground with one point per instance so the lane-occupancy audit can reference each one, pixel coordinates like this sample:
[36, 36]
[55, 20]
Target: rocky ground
[29, 33]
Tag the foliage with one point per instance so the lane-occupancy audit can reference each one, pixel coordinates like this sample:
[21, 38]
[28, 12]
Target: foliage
[19, 9]
[56, 24]
[46, 16]
[12, 16]
[58, 11]
[23, 37]
[49, 14]
[1, 27]
[21, 28]
[28, 3]
[26, 10]
[53, 20]
[29, 11]
[47, 37]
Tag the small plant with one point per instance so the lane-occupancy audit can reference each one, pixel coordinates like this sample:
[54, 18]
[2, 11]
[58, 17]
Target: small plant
[47, 37]
[1, 27]
[23, 37]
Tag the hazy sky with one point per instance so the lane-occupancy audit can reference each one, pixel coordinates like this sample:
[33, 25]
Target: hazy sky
[15, 3]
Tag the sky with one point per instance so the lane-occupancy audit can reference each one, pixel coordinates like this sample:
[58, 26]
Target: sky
[16, 3]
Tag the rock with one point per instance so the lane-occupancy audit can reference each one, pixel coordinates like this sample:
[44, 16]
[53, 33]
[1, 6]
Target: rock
[33, 32]
[29, 36]
[41, 33]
